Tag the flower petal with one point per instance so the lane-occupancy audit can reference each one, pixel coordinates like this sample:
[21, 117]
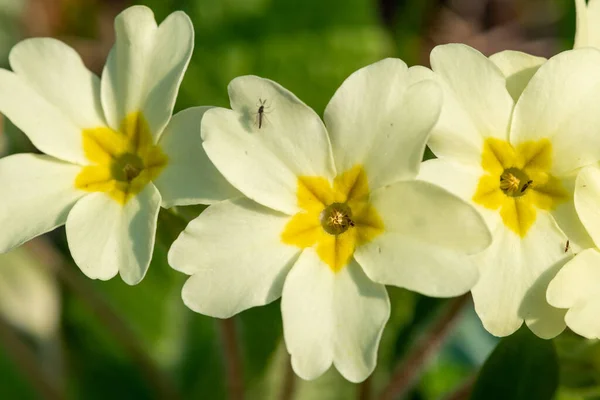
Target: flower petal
[234, 253]
[587, 32]
[514, 275]
[459, 179]
[576, 286]
[332, 317]
[37, 194]
[559, 104]
[376, 119]
[106, 237]
[51, 97]
[476, 102]
[189, 177]
[427, 243]
[587, 196]
[518, 68]
[265, 162]
[145, 67]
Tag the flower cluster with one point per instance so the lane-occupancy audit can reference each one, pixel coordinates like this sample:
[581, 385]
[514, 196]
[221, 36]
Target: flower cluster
[322, 213]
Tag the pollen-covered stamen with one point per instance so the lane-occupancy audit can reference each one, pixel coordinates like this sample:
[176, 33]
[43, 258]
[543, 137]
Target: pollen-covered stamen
[336, 218]
[514, 182]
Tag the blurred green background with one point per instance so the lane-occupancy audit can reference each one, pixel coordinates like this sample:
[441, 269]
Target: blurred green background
[64, 336]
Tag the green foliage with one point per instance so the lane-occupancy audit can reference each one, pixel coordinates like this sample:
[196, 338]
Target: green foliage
[522, 367]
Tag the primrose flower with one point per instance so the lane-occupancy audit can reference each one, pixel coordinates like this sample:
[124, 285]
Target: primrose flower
[587, 33]
[576, 285]
[114, 155]
[329, 217]
[513, 132]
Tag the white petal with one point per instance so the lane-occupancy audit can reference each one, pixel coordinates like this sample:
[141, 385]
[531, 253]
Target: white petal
[234, 253]
[577, 287]
[476, 102]
[587, 196]
[565, 215]
[51, 97]
[37, 194]
[518, 68]
[427, 242]
[264, 162]
[189, 177]
[514, 275]
[559, 104]
[587, 31]
[332, 317]
[145, 67]
[376, 119]
[106, 237]
[458, 179]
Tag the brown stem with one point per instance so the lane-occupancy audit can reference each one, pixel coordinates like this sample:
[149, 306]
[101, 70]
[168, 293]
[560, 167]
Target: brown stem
[27, 361]
[463, 391]
[288, 385]
[86, 292]
[407, 372]
[233, 359]
[364, 390]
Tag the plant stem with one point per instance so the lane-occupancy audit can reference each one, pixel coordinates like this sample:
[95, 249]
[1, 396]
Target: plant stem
[27, 361]
[407, 372]
[288, 385]
[233, 359]
[81, 287]
[364, 390]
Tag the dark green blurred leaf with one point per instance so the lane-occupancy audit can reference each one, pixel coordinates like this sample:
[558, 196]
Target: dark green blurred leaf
[579, 365]
[522, 367]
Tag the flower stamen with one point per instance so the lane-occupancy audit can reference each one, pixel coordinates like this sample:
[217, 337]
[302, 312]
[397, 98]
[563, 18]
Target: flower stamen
[336, 218]
[514, 182]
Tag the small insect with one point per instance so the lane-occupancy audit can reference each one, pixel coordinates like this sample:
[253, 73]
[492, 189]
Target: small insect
[261, 118]
[567, 245]
[526, 185]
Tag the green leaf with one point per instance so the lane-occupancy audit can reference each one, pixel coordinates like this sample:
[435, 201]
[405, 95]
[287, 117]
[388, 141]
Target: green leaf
[522, 366]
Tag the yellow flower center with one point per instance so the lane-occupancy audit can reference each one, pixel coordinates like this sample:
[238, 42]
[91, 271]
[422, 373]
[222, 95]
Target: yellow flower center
[518, 182]
[123, 162]
[335, 218]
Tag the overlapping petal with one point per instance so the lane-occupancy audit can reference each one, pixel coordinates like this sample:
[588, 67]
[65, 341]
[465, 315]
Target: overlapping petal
[234, 253]
[577, 287]
[265, 162]
[378, 119]
[514, 275]
[426, 246]
[189, 177]
[518, 69]
[332, 318]
[587, 196]
[106, 237]
[37, 194]
[476, 102]
[559, 104]
[51, 96]
[146, 66]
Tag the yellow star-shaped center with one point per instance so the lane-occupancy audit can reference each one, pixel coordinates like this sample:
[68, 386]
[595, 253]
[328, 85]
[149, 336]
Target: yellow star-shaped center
[335, 218]
[518, 182]
[122, 162]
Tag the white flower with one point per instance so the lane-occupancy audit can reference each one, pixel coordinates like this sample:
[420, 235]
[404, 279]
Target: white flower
[329, 217]
[576, 286]
[513, 132]
[587, 33]
[114, 155]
